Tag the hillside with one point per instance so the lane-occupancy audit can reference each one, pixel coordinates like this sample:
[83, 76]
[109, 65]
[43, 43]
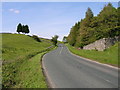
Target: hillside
[21, 61]
[93, 28]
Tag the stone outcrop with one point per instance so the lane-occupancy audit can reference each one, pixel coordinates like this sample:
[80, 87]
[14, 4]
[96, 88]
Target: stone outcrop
[102, 44]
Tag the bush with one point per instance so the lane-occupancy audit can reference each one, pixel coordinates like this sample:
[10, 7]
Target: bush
[36, 38]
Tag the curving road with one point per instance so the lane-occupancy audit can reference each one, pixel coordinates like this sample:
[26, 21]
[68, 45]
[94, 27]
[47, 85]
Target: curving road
[65, 70]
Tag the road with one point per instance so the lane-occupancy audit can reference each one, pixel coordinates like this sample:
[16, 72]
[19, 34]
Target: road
[65, 70]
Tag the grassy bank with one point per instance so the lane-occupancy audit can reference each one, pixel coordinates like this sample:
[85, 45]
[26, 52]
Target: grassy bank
[21, 61]
[30, 74]
[109, 56]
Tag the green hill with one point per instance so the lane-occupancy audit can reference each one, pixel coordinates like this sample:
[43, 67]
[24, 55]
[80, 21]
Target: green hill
[21, 57]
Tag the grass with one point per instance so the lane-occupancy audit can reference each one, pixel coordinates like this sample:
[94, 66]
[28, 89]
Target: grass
[30, 74]
[21, 61]
[109, 56]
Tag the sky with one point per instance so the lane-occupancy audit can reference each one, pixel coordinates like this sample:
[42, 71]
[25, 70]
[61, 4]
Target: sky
[46, 19]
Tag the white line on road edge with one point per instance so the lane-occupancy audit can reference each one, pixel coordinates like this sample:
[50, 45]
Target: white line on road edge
[46, 74]
[61, 50]
[105, 79]
[93, 61]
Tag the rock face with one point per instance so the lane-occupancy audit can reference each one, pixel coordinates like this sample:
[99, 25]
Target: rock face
[102, 44]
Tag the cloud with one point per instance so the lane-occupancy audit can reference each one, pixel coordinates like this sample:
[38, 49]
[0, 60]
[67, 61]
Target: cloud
[11, 9]
[14, 11]
[17, 11]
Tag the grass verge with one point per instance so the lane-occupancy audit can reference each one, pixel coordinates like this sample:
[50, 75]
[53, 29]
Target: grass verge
[109, 56]
[30, 74]
[21, 67]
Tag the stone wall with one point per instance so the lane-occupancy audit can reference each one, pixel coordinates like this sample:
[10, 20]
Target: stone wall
[101, 44]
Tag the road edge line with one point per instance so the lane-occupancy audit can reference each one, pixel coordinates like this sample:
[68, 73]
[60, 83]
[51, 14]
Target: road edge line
[93, 60]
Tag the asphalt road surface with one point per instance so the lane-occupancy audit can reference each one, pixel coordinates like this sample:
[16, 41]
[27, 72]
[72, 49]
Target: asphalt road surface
[65, 70]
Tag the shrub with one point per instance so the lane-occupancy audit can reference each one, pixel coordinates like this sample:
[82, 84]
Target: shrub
[36, 38]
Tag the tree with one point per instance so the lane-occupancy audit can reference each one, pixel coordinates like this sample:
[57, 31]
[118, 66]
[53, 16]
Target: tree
[23, 29]
[118, 13]
[73, 34]
[64, 39]
[110, 5]
[89, 13]
[54, 40]
[19, 28]
[26, 29]
[105, 24]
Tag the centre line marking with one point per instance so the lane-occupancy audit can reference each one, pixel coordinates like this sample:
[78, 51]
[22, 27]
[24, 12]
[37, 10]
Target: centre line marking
[108, 81]
[61, 50]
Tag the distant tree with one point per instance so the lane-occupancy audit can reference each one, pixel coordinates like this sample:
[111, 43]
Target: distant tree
[36, 38]
[54, 40]
[19, 28]
[64, 39]
[26, 29]
[23, 29]
[73, 34]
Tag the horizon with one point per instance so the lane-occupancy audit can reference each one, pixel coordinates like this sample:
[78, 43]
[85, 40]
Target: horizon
[47, 19]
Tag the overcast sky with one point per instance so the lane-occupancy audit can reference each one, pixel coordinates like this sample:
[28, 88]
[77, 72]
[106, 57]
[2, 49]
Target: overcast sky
[46, 19]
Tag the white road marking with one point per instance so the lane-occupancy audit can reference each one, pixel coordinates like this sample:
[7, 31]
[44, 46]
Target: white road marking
[108, 81]
[50, 83]
[94, 61]
[61, 50]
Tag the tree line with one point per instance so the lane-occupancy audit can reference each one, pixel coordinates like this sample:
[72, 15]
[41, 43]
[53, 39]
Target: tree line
[92, 28]
[22, 28]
